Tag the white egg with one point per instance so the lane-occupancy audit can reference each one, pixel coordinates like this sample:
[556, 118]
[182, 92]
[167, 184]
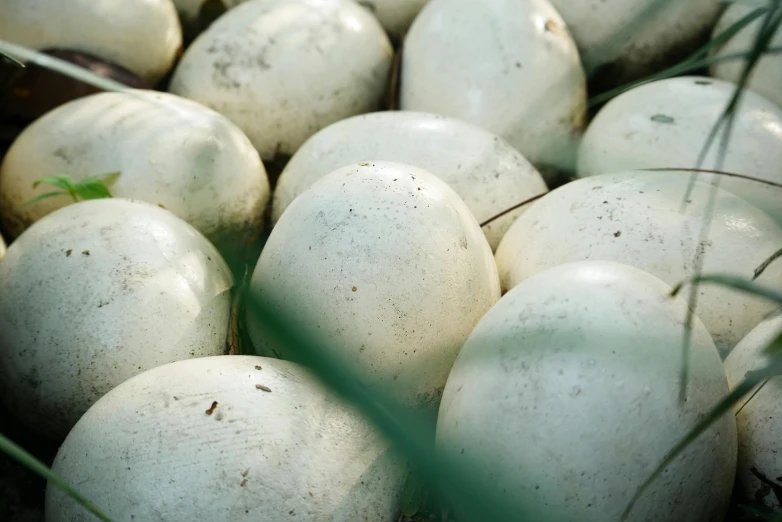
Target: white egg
[143, 36]
[482, 168]
[385, 263]
[759, 418]
[97, 292]
[168, 150]
[637, 218]
[767, 75]
[395, 15]
[665, 124]
[666, 34]
[149, 450]
[284, 69]
[508, 66]
[566, 397]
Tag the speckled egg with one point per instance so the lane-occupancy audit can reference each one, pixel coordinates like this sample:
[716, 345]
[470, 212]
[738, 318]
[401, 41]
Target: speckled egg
[284, 69]
[565, 396]
[482, 168]
[169, 151]
[228, 438]
[759, 419]
[143, 36]
[766, 77]
[665, 124]
[383, 262]
[640, 218]
[97, 292]
[665, 35]
[508, 66]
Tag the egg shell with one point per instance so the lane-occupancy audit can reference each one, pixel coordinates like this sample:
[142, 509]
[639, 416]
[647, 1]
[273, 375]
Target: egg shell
[636, 218]
[97, 292]
[759, 418]
[386, 265]
[510, 67]
[767, 74]
[483, 169]
[665, 124]
[296, 452]
[566, 397]
[143, 36]
[2, 247]
[169, 151]
[664, 37]
[284, 69]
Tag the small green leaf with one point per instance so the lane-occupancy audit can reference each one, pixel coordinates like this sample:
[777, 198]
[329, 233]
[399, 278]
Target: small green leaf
[45, 196]
[91, 188]
[62, 181]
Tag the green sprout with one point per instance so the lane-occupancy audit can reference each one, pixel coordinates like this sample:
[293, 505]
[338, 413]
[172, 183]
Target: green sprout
[91, 187]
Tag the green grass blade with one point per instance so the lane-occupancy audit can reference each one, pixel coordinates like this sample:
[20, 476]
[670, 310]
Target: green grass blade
[61, 66]
[611, 47]
[11, 59]
[762, 42]
[8, 447]
[697, 60]
[677, 70]
[735, 282]
[723, 407]
[45, 196]
[725, 173]
[412, 432]
[725, 122]
[765, 264]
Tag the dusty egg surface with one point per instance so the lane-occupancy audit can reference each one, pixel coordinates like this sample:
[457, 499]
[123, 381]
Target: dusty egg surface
[284, 69]
[97, 292]
[665, 124]
[199, 440]
[637, 218]
[387, 266]
[482, 168]
[565, 397]
[759, 418]
[168, 151]
[667, 32]
[143, 36]
[767, 74]
[518, 65]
